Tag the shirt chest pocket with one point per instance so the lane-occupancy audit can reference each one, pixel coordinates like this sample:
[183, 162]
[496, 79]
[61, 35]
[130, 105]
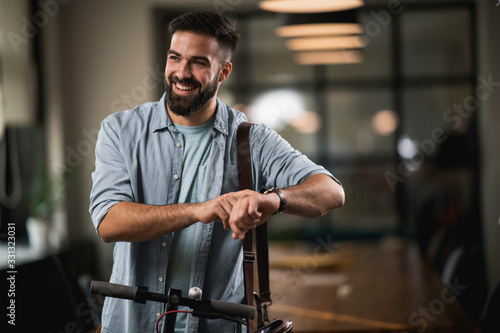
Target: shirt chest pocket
[230, 178]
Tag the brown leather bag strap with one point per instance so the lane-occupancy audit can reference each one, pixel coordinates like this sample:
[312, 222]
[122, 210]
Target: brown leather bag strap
[245, 181]
[243, 155]
[261, 241]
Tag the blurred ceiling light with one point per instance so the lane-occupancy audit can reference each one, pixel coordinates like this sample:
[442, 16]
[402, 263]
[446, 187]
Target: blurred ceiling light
[406, 147]
[307, 122]
[318, 29]
[277, 108]
[385, 122]
[319, 24]
[325, 43]
[309, 6]
[329, 57]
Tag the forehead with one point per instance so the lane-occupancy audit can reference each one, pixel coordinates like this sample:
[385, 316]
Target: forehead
[189, 44]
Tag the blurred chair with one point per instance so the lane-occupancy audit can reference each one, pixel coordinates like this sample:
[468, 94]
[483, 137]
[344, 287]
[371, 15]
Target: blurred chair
[490, 321]
[451, 264]
[48, 296]
[464, 266]
[94, 302]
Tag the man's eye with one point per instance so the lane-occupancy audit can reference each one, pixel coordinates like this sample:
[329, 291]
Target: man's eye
[173, 58]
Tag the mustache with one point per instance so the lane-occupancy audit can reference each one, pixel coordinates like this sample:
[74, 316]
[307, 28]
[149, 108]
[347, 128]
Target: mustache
[175, 79]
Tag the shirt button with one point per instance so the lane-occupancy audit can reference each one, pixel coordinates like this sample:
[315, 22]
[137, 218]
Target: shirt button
[176, 176]
[224, 131]
[178, 145]
[164, 244]
[158, 314]
[160, 279]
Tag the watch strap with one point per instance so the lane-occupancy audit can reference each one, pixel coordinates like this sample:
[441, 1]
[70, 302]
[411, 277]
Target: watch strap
[280, 194]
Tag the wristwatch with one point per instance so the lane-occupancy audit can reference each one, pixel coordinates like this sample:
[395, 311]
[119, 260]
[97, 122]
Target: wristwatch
[282, 199]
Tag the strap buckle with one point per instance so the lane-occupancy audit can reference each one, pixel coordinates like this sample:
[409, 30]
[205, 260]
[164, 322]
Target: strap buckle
[266, 314]
[262, 313]
[249, 256]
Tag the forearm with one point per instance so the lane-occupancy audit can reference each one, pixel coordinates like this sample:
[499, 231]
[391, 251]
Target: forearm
[314, 197]
[134, 222]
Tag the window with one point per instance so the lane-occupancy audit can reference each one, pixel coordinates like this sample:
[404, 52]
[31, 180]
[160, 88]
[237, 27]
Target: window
[411, 75]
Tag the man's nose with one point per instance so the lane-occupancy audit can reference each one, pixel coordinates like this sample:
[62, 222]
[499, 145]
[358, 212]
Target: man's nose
[183, 71]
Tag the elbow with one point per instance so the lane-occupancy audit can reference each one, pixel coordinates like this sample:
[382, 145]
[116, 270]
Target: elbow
[340, 197]
[109, 229]
[106, 238]
[336, 199]
[105, 233]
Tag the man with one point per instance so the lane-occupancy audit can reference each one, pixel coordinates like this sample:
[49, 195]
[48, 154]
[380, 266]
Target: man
[165, 187]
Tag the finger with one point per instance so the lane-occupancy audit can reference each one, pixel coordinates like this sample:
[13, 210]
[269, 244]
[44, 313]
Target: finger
[240, 219]
[240, 230]
[239, 226]
[220, 215]
[238, 233]
[254, 210]
[238, 209]
[224, 213]
[225, 221]
[234, 197]
[240, 216]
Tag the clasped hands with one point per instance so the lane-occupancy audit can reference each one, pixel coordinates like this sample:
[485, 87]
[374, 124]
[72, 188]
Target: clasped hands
[239, 211]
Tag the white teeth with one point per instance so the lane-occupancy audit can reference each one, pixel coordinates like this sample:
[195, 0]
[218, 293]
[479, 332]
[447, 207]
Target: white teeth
[181, 87]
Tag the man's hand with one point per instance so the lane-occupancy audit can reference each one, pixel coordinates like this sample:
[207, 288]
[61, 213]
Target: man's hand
[218, 209]
[251, 211]
[245, 210]
[239, 211]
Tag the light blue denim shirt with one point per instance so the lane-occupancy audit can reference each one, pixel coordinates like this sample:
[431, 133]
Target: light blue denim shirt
[139, 159]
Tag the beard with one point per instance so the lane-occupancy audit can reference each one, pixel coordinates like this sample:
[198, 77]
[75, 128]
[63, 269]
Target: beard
[187, 105]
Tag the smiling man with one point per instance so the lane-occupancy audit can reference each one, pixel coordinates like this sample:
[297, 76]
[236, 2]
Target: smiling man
[165, 185]
[194, 74]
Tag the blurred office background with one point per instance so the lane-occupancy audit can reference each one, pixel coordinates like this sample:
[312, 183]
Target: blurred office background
[407, 119]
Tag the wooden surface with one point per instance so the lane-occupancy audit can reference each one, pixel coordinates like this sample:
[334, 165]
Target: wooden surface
[362, 287]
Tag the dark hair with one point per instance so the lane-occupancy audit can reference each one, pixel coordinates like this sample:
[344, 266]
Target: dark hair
[211, 24]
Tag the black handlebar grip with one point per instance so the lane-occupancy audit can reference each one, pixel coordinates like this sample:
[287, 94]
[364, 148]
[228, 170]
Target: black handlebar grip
[113, 290]
[233, 309]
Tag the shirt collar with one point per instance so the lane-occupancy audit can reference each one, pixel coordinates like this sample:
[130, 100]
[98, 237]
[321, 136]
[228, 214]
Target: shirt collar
[162, 119]
[221, 118]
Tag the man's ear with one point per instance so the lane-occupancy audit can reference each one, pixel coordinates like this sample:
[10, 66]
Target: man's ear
[225, 71]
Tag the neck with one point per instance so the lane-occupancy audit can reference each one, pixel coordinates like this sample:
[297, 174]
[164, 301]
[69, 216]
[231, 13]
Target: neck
[198, 118]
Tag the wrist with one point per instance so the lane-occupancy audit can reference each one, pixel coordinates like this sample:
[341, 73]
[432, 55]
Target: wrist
[193, 212]
[281, 197]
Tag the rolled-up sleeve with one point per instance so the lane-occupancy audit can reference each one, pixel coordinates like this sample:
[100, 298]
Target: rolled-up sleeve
[111, 181]
[278, 163]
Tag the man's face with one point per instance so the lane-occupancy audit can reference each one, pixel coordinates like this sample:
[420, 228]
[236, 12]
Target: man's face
[193, 72]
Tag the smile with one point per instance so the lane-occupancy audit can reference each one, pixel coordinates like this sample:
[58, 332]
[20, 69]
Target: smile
[184, 87]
